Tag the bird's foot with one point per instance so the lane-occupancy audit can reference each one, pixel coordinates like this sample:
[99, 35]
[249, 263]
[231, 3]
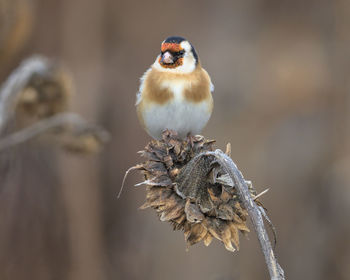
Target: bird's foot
[190, 138]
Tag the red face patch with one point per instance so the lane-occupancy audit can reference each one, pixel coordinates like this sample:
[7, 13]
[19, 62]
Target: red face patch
[173, 47]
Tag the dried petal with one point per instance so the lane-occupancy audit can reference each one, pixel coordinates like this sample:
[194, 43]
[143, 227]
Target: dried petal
[180, 219]
[225, 196]
[226, 239]
[242, 227]
[168, 161]
[225, 212]
[174, 172]
[193, 213]
[213, 227]
[234, 235]
[207, 239]
[155, 167]
[214, 196]
[225, 179]
[173, 211]
[148, 155]
[196, 234]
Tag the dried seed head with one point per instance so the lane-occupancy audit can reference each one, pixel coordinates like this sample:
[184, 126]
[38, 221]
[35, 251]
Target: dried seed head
[45, 95]
[190, 190]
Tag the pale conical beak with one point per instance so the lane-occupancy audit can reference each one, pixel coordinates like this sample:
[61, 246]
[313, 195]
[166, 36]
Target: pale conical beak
[167, 58]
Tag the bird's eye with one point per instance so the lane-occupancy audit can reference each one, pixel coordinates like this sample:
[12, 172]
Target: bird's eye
[179, 53]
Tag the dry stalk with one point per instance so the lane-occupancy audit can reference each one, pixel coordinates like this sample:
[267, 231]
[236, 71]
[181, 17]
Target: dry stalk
[255, 212]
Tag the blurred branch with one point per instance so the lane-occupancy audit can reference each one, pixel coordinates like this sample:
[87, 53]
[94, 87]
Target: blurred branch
[61, 120]
[275, 270]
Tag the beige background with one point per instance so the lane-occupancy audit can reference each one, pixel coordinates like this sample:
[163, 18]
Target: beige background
[281, 76]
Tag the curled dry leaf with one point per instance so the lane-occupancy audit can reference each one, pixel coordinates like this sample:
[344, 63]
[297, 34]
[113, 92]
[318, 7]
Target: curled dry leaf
[190, 190]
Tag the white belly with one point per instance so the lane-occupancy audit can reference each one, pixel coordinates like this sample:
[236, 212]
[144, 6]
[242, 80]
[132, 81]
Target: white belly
[182, 116]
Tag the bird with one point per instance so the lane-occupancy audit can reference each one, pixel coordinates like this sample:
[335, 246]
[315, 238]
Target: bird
[175, 93]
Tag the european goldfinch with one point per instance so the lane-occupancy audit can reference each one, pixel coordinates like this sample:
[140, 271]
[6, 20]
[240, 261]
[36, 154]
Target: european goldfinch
[175, 92]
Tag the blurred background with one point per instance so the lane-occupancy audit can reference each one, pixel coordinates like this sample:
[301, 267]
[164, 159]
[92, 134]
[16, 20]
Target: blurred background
[281, 76]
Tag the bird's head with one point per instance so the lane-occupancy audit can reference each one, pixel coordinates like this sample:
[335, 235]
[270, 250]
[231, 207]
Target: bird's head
[177, 55]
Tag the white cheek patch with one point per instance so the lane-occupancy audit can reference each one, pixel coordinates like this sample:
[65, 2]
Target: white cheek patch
[186, 46]
[189, 63]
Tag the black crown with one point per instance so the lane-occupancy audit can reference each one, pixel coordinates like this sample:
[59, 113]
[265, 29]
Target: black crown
[174, 39]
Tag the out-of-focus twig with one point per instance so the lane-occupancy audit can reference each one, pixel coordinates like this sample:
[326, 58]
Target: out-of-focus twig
[16, 21]
[74, 121]
[275, 270]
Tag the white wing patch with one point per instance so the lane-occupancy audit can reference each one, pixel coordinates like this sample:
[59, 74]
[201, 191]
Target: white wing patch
[142, 80]
[211, 87]
[138, 98]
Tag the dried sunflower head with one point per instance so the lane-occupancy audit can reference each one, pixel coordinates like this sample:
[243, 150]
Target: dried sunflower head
[46, 94]
[191, 191]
